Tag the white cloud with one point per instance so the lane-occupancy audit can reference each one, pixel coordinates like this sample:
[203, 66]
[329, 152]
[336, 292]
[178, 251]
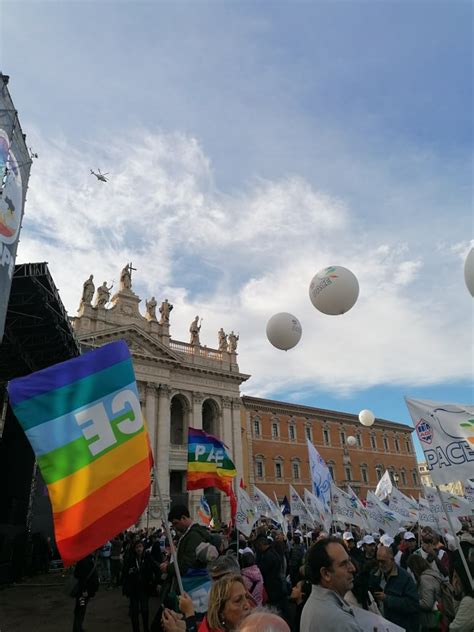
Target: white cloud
[237, 259]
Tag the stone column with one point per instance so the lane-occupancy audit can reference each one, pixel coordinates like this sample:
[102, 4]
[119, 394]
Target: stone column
[228, 439]
[237, 435]
[162, 462]
[150, 416]
[196, 421]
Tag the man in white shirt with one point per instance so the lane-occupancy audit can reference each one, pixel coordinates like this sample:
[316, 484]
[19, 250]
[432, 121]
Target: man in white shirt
[332, 574]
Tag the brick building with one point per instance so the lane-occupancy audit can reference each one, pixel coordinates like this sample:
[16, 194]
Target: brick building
[275, 453]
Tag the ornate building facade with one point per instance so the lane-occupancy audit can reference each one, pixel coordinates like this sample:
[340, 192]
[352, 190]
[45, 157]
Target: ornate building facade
[180, 384]
[456, 487]
[276, 455]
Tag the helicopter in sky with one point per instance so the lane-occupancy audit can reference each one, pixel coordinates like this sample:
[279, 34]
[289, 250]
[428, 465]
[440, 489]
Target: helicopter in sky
[99, 175]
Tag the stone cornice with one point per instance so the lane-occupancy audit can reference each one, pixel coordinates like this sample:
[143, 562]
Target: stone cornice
[286, 408]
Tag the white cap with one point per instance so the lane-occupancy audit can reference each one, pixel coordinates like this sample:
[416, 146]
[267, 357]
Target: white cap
[347, 535]
[368, 539]
[408, 535]
[386, 540]
[401, 530]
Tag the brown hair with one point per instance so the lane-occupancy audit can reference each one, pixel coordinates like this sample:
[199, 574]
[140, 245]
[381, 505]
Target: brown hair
[218, 596]
[417, 564]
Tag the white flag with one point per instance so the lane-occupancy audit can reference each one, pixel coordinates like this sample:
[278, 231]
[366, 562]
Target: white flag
[362, 511]
[344, 509]
[246, 515]
[403, 506]
[469, 491]
[391, 519]
[453, 505]
[317, 511]
[384, 486]
[434, 513]
[298, 508]
[320, 476]
[446, 434]
[265, 506]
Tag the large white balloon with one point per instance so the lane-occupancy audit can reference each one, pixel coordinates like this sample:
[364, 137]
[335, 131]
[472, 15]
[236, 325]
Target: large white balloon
[334, 290]
[366, 417]
[284, 331]
[469, 271]
[351, 441]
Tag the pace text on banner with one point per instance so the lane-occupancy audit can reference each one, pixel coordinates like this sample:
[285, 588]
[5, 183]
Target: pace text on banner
[209, 464]
[84, 422]
[446, 434]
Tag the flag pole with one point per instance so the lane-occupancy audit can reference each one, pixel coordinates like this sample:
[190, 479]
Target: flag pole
[174, 558]
[458, 544]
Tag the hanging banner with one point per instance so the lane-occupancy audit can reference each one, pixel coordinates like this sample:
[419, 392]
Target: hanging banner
[298, 508]
[15, 164]
[454, 505]
[446, 434]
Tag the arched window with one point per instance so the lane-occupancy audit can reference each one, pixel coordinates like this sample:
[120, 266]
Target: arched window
[415, 477]
[364, 473]
[275, 427]
[308, 431]
[210, 417]
[342, 437]
[291, 431]
[373, 441]
[385, 443]
[397, 445]
[256, 427]
[378, 472]
[178, 428]
[359, 440]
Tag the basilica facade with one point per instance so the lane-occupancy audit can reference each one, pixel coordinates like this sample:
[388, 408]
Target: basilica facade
[181, 384]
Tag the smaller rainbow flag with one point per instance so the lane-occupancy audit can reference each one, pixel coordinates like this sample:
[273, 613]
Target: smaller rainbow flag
[84, 422]
[208, 463]
[204, 511]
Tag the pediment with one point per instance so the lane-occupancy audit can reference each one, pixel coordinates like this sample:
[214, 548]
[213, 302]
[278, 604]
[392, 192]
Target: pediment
[139, 342]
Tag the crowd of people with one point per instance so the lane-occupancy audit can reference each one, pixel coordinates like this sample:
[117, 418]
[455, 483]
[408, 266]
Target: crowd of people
[305, 580]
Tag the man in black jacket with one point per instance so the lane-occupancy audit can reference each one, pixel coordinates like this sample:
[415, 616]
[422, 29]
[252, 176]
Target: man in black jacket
[269, 563]
[86, 573]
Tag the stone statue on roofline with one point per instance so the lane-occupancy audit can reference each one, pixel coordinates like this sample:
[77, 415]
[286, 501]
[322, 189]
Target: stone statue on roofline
[233, 339]
[194, 329]
[103, 295]
[223, 346]
[151, 308]
[165, 310]
[88, 290]
[126, 277]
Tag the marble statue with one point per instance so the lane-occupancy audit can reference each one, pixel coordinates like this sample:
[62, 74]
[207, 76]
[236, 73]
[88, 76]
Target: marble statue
[222, 340]
[194, 329]
[103, 295]
[233, 339]
[151, 308]
[88, 291]
[126, 277]
[165, 310]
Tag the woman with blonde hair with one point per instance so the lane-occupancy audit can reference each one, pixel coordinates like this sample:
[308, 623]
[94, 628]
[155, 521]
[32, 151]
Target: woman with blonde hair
[228, 605]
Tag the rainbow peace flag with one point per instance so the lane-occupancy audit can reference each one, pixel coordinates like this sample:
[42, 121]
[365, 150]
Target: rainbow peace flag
[84, 422]
[208, 463]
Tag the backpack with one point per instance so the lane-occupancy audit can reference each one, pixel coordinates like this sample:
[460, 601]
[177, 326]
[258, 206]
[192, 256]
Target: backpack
[447, 602]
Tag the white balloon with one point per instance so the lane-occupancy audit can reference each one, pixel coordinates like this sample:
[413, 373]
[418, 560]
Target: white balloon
[334, 290]
[284, 331]
[366, 417]
[351, 440]
[469, 271]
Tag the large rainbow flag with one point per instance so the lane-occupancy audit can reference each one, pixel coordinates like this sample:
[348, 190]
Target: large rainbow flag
[208, 463]
[84, 422]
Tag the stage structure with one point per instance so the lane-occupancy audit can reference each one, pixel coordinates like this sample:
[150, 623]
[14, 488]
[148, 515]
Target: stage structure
[15, 163]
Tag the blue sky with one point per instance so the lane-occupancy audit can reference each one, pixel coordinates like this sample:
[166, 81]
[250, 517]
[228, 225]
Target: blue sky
[249, 145]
